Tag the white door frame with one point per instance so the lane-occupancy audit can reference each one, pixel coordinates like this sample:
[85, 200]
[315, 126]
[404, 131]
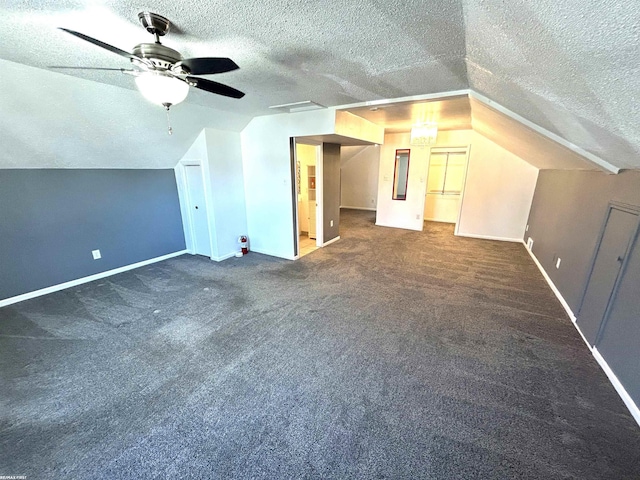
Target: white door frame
[319, 197]
[183, 196]
[319, 190]
[466, 148]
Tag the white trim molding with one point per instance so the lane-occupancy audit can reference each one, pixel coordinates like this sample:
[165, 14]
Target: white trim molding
[333, 240]
[555, 290]
[599, 162]
[488, 237]
[223, 257]
[596, 160]
[272, 254]
[369, 209]
[624, 395]
[90, 278]
[411, 98]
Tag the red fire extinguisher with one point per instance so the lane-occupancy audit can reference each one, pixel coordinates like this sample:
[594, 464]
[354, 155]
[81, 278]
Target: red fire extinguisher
[243, 240]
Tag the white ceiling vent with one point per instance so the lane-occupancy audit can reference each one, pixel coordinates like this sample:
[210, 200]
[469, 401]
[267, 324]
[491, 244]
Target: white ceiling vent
[298, 106]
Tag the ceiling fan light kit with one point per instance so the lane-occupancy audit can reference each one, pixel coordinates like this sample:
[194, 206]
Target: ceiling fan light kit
[162, 75]
[161, 89]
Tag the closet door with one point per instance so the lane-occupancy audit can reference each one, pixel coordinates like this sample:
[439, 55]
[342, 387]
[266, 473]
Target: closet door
[619, 342]
[620, 226]
[197, 210]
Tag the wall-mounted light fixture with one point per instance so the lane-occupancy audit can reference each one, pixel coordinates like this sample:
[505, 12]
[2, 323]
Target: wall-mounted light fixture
[424, 134]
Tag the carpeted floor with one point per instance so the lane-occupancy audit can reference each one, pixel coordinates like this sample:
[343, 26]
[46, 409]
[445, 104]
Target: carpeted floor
[389, 354]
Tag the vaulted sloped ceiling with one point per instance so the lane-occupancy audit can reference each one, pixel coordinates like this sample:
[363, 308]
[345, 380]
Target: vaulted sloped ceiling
[570, 67]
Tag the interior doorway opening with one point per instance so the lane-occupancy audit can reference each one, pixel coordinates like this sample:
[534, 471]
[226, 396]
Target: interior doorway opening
[307, 161]
[320, 180]
[445, 184]
[193, 203]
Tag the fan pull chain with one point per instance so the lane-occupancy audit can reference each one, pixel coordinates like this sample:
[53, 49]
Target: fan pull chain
[170, 130]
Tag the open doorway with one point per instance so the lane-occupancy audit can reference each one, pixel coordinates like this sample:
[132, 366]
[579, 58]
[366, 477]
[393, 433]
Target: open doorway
[308, 191]
[320, 180]
[445, 184]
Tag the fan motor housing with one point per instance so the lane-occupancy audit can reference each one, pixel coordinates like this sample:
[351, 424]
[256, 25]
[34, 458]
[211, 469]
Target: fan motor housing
[162, 57]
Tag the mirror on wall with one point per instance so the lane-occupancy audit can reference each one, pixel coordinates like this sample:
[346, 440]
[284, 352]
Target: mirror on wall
[401, 175]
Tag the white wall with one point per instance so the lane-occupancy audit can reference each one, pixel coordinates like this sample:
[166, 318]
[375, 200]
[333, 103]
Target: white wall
[359, 168]
[498, 192]
[266, 160]
[219, 154]
[228, 211]
[349, 125]
[54, 120]
[267, 176]
[409, 213]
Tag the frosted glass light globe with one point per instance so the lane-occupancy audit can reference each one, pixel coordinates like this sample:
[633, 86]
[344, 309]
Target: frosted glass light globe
[162, 89]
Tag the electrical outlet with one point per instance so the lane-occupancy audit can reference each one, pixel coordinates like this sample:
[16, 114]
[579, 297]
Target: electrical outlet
[417, 216]
[526, 229]
[529, 243]
[96, 254]
[558, 262]
[331, 223]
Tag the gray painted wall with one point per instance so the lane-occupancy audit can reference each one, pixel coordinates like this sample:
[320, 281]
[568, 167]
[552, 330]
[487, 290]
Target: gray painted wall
[619, 343]
[331, 190]
[51, 220]
[567, 215]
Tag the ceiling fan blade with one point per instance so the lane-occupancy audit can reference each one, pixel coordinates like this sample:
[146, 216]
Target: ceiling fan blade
[214, 87]
[207, 66]
[123, 70]
[106, 46]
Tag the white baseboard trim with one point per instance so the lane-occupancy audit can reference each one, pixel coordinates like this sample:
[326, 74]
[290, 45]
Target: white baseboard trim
[488, 237]
[271, 254]
[624, 395]
[554, 289]
[401, 227]
[223, 257]
[584, 339]
[369, 209]
[90, 278]
[333, 240]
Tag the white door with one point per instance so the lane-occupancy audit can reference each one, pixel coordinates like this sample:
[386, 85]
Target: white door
[197, 210]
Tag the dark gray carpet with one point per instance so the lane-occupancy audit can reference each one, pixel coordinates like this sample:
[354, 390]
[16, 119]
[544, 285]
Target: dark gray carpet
[389, 354]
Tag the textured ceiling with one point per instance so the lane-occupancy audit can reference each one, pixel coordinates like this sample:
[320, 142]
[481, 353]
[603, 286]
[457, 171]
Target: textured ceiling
[332, 52]
[524, 142]
[51, 120]
[570, 67]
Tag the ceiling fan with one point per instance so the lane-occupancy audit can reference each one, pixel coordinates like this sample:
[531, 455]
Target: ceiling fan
[162, 75]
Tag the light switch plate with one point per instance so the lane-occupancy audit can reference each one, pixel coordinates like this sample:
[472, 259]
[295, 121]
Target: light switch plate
[96, 254]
